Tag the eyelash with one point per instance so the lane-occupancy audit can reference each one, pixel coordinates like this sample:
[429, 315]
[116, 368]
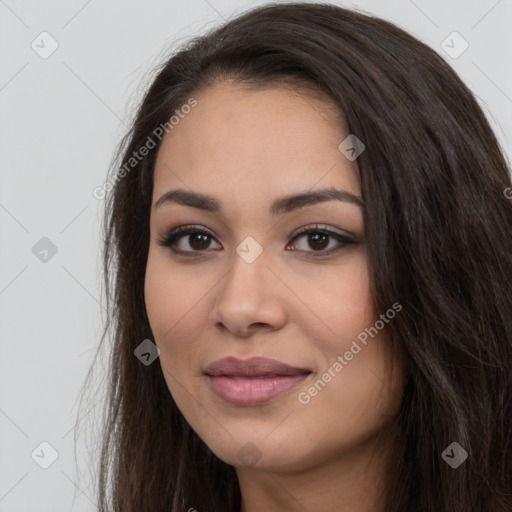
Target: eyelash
[172, 236]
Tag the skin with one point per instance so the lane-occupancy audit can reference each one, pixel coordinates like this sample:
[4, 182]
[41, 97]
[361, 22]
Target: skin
[247, 148]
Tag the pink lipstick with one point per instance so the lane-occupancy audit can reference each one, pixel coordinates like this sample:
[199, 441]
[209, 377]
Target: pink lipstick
[252, 381]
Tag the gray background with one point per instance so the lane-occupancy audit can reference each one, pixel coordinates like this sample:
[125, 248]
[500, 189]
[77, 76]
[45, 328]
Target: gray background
[61, 117]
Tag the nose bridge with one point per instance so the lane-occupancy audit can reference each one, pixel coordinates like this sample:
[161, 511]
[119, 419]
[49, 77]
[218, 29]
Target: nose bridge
[247, 280]
[248, 260]
[246, 295]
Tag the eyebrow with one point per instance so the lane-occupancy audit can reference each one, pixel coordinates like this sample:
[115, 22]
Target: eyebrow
[280, 206]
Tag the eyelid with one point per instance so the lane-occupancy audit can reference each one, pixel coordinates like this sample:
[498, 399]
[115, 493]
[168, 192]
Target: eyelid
[343, 239]
[174, 234]
[323, 227]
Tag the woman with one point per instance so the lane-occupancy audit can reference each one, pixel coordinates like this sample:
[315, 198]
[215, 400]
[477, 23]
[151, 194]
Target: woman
[310, 245]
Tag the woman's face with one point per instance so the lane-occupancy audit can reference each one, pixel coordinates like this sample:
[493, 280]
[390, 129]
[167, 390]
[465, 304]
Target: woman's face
[249, 285]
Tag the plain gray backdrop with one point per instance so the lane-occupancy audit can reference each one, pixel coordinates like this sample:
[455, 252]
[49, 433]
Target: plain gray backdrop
[63, 110]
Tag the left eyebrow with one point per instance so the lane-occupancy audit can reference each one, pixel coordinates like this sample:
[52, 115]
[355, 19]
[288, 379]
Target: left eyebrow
[280, 206]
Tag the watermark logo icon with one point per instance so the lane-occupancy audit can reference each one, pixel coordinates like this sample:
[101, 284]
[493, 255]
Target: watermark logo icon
[249, 249]
[44, 250]
[249, 454]
[351, 147]
[454, 45]
[147, 352]
[44, 455]
[44, 45]
[454, 455]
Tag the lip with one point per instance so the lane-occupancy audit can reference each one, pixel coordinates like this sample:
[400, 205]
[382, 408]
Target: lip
[253, 381]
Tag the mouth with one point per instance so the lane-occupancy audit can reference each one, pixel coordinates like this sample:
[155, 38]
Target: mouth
[253, 381]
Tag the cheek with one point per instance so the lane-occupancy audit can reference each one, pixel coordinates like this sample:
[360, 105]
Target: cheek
[176, 308]
[157, 294]
[356, 390]
[343, 302]
[169, 295]
[357, 401]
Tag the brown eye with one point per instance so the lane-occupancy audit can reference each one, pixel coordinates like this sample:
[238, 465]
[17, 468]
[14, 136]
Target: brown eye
[197, 238]
[318, 240]
[199, 241]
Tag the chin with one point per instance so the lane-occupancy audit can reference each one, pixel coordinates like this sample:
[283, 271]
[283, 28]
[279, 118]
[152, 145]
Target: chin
[259, 450]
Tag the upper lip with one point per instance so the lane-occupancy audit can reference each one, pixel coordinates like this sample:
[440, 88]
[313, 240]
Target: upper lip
[253, 367]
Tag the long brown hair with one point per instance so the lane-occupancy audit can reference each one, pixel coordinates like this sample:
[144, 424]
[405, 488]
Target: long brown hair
[439, 237]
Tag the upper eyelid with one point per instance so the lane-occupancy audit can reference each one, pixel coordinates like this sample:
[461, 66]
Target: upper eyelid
[316, 226]
[185, 230]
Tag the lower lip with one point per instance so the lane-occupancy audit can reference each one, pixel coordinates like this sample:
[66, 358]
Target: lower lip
[253, 391]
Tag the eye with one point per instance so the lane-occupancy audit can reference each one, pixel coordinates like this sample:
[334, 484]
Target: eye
[199, 239]
[319, 238]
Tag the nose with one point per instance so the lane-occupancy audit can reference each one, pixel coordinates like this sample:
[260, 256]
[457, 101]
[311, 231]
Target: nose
[249, 298]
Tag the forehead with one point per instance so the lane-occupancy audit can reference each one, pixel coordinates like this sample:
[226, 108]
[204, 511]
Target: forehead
[256, 142]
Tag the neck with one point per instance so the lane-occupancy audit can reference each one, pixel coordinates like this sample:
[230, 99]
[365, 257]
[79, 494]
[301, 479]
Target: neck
[352, 481]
